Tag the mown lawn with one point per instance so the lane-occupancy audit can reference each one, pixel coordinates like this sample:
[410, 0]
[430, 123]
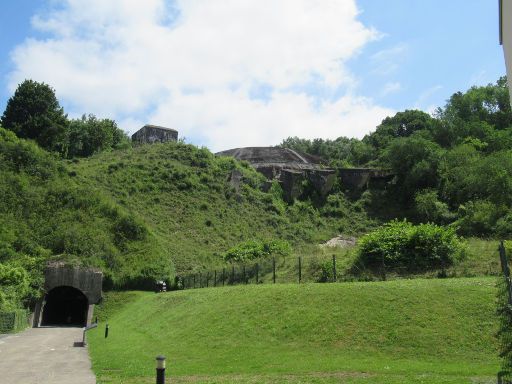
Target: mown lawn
[422, 330]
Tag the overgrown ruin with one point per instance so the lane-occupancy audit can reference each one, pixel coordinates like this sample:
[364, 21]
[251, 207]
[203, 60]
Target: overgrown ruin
[291, 168]
[294, 170]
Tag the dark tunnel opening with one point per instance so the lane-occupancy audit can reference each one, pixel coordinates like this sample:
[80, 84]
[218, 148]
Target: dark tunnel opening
[65, 306]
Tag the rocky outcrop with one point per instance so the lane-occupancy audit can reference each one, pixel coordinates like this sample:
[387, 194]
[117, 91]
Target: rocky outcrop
[340, 241]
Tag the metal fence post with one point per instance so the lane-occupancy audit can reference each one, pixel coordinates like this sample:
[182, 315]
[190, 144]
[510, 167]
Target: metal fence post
[300, 269]
[215, 278]
[207, 278]
[334, 277]
[274, 269]
[223, 275]
[233, 275]
[506, 270]
[257, 272]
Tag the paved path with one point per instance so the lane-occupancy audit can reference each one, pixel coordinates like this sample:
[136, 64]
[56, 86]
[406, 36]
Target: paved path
[45, 356]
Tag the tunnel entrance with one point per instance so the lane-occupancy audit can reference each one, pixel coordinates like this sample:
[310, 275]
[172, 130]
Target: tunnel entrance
[65, 306]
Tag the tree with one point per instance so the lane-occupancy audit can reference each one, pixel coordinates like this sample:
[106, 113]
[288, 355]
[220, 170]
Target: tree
[403, 124]
[90, 135]
[33, 112]
[415, 162]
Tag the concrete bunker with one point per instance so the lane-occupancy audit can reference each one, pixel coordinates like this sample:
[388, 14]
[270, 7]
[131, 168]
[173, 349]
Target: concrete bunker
[70, 294]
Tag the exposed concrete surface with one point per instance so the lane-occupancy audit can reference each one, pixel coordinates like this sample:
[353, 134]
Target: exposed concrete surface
[45, 356]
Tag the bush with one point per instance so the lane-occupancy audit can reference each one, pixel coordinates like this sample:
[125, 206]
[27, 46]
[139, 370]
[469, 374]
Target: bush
[254, 249]
[402, 247]
[479, 218]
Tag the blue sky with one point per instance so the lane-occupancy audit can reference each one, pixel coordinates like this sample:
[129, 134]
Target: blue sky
[246, 72]
[446, 46]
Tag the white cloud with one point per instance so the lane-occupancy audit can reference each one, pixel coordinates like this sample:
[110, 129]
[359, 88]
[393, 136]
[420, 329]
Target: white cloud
[194, 64]
[390, 88]
[388, 60]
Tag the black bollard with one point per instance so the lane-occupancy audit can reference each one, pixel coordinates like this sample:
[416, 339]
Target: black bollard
[106, 331]
[160, 369]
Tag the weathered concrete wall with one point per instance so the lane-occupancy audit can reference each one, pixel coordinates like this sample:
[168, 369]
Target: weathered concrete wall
[149, 134]
[358, 178]
[88, 281]
[289, 167]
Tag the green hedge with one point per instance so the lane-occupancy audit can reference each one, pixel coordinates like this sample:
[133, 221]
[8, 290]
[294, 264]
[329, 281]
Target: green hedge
[14, 321]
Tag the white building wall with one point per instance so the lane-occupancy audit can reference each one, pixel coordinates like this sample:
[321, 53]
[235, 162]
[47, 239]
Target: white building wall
[506, 37]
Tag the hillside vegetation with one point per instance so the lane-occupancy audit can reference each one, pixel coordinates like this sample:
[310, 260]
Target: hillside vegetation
[429, 331]
[46, 216]
[184, 195]
[451, 168]
[147, 212]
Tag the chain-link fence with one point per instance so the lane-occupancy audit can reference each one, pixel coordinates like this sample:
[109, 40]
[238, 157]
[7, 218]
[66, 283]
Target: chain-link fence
[14, 321]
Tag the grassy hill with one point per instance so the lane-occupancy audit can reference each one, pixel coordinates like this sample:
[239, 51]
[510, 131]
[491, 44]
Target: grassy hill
[428, 331]
[183, 194]
[143, 213]
[45, 215]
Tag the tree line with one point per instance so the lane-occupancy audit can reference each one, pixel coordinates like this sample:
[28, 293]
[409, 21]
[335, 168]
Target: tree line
[34, 112]
[453, 167]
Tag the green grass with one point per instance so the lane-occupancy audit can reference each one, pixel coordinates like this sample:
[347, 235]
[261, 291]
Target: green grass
[428, 331]
[183, 195]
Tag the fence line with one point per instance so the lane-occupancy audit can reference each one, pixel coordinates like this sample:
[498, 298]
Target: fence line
[505, 313]
[272, 270]
[13, 321]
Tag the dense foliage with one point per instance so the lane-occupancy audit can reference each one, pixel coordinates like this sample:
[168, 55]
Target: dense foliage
[404, 248]
[90, 135]
[451, 168]
[45, 215]
[34, 112]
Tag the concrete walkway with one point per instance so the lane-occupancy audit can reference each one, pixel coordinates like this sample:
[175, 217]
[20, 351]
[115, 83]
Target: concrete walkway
[45, 356]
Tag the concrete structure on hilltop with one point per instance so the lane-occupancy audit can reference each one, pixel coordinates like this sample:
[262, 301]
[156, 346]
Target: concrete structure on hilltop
[289, 167]
[70, 294]
[506, 36]
[150, 134]
[294, 169]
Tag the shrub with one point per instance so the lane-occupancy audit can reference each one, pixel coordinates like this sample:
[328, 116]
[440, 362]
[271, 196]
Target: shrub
[401, 247]
[127, 228]
[253, 249]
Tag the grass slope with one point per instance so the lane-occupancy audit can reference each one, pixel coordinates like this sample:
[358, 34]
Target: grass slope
[428, 331]
[45, 215]
[183, 194]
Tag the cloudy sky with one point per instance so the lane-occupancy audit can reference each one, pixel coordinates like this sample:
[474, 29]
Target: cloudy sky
[233, 73]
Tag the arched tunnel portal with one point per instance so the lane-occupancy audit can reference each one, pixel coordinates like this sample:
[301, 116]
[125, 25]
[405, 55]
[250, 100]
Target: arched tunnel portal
[70, 295]
[65, 306]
